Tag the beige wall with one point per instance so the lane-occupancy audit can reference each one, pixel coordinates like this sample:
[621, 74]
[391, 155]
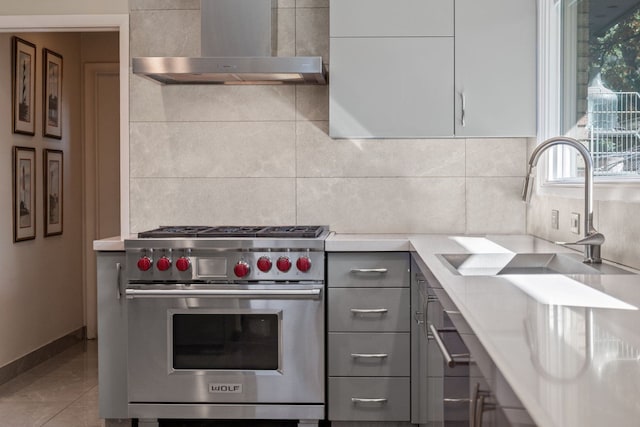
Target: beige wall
[41, 288]
[63, 7]
[261, 154]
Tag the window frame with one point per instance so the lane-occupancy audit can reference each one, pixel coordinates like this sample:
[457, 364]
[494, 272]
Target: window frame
[553, 112]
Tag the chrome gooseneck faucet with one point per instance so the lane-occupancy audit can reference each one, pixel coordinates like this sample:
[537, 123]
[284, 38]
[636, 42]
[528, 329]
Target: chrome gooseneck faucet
[592, 239]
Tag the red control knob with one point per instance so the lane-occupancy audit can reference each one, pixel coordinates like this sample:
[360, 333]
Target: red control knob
[144, 263]
[283, 264]
[163, 264]
[183, 264]
[303, 264]
[241, 269]
[264, 264]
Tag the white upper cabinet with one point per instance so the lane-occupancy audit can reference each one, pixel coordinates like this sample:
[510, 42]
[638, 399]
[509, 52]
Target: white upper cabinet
[391, 18]
[495, 67]
[398, 87]
[391, 68]
[399, 70]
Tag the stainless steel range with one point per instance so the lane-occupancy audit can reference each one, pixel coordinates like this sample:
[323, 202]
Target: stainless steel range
[226, 323]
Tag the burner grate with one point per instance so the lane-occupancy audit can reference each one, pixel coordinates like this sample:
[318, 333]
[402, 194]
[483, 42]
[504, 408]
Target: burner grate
[200, 231]
[231, 231]
[174, 231]
[306, 231]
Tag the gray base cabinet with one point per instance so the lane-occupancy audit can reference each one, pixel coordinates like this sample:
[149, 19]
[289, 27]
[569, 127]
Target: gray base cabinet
[477, 394]
[112, 339]
[369, 344]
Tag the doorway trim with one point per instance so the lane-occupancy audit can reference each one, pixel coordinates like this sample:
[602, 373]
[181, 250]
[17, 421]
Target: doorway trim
[85, 23]
[88, 23]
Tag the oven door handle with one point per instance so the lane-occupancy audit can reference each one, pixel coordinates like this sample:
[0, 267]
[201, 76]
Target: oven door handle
[225, 293]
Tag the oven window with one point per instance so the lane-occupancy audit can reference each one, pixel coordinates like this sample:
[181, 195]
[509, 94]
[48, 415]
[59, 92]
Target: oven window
[225, 341]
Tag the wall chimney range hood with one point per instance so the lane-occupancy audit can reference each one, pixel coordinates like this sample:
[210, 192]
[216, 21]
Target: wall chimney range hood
[238, 46]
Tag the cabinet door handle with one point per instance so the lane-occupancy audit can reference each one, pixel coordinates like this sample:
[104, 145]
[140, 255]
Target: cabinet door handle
[370, 270]
[481, 408]
[119, 291]
[357, 400]
[369, 310]
[463, 99]
[369, 355]
[477, 399]
[456, 400]
[448, 357]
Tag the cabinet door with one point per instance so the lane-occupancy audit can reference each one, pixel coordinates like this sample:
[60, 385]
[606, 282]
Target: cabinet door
[397, 87]
[392, 18]
[495, 56]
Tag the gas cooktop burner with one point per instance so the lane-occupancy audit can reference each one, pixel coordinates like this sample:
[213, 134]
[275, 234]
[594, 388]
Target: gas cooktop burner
[200, 231]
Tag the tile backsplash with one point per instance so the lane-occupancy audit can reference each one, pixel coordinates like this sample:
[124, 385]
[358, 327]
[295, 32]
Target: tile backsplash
[262, 154]
[615, 219]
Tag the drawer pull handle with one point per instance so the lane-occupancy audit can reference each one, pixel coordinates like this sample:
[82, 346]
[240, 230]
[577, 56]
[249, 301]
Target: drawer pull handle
[369, 355]
[370, 270]
[455, 400]
[369, 310]
[357, 400]
[448, 357]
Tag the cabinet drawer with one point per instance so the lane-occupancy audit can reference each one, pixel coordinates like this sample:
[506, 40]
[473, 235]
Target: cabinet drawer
[344, 394]
[369, 310]
[384, 269]
[391, 18]
[369, 354]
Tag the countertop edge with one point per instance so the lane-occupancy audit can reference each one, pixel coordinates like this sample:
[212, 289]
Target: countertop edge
[109, 244]
[367, 243]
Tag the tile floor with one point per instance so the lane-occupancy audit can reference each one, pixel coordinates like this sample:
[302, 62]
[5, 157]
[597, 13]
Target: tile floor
[63, 392]
[60, 392]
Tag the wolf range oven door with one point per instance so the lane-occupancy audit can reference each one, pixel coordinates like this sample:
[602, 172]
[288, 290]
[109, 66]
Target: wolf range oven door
[256, 344]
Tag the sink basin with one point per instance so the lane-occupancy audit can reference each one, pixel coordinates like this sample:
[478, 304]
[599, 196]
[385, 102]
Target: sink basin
[523, 263]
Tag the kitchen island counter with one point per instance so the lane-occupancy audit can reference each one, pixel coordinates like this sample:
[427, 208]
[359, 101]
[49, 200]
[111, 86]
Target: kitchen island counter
[572, 358]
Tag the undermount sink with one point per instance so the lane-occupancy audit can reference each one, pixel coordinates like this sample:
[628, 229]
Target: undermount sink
[523, 263]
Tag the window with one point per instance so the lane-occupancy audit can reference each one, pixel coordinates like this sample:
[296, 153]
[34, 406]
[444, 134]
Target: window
[594, 45]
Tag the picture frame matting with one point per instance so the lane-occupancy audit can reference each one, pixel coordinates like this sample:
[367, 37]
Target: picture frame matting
[23, 79]
[24, 193]
[51, 94]
[53, 163]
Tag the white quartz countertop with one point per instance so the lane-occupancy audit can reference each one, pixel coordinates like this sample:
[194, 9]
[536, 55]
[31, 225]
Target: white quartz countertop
[568, 345]
[110, 244]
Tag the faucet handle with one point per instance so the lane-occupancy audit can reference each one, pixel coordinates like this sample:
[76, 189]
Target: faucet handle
[592, 243]
[593, 239]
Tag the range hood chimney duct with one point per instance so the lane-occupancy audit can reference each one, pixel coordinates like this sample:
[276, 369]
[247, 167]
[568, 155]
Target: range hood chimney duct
[238, 46]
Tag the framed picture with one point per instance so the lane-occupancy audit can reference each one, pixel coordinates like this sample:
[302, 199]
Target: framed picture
[52, 94]
[23, 73]
[24, 193]
[53, 171]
